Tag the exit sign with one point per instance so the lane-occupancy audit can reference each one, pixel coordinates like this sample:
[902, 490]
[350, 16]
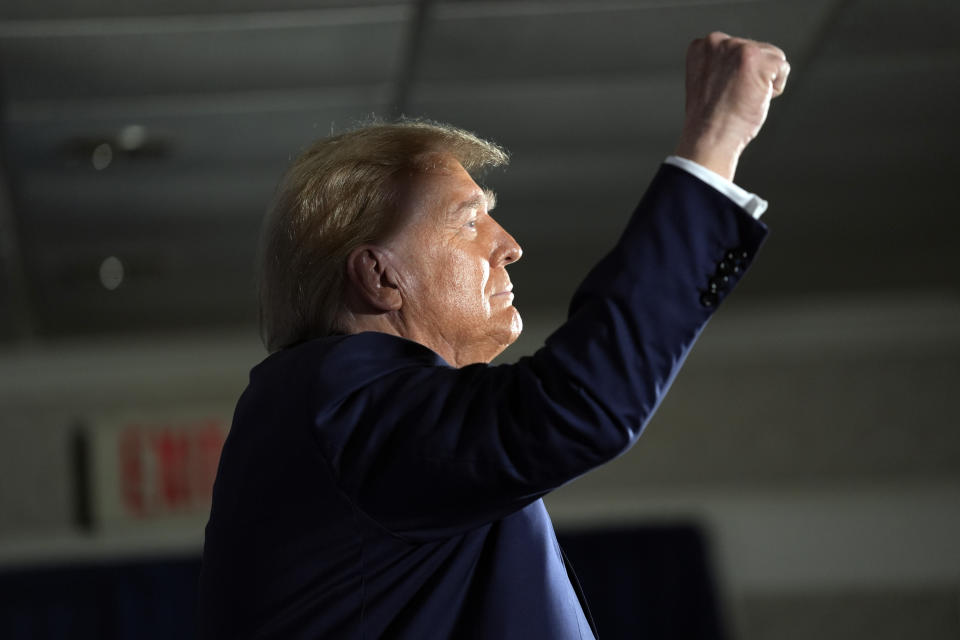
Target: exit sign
[152, 468]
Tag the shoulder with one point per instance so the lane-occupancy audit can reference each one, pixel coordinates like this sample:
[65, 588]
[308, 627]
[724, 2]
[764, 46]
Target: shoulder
[344, 362]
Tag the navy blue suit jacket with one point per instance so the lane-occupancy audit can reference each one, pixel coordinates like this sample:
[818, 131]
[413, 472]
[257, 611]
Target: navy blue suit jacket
[367, 489]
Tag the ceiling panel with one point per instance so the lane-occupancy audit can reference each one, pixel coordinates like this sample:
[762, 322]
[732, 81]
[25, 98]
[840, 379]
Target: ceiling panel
[98, 9]
[527, 40]
[253, 130]
[882, 27]
[857, 158]
[542, 116]
[190, 56]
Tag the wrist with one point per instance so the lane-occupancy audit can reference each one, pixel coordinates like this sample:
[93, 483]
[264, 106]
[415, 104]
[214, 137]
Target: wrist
[712, 152]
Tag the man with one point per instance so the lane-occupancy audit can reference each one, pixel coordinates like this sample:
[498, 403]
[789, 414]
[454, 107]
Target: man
[380, 479]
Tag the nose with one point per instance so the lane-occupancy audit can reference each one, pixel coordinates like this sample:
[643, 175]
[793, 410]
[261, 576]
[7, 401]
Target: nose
[510, 250]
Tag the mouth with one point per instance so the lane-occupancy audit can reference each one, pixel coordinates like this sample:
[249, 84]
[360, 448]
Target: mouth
[506, 292]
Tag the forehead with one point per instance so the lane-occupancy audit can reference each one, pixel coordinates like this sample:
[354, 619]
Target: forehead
[442, 187]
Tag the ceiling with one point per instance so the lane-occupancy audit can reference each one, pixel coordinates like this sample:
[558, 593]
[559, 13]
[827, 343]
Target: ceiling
[201, 104]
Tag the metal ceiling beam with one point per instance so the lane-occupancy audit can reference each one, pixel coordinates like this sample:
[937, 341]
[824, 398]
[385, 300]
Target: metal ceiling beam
[13, 295]
[410, 60]
[14, 299]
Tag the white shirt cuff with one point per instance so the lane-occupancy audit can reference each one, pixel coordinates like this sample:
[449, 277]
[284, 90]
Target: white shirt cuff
[749, 202]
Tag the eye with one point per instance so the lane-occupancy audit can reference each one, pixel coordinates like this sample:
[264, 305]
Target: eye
[472, 224]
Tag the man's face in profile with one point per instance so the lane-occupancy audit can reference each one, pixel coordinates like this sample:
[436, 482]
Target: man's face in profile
[453, 257]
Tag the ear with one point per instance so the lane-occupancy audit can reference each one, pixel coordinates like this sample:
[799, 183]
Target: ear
[371, 279]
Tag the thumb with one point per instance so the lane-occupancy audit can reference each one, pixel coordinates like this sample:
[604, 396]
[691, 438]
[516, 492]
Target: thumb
[779, 80]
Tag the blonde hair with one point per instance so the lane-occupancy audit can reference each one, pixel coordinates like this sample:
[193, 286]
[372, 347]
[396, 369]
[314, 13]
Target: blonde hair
[337, 195]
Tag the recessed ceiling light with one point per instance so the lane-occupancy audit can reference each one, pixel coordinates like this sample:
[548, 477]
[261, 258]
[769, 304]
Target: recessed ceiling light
[111, 273]
[132, 137]
[102, 156]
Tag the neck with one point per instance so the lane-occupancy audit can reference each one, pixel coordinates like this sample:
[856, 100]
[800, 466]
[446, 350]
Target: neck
[394, 325]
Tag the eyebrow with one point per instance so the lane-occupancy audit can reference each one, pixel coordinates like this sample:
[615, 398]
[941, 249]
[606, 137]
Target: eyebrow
[488, 199]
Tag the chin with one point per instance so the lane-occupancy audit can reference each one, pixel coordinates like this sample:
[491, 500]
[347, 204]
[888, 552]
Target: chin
[505, 334]
[516, 326]
[512, 329]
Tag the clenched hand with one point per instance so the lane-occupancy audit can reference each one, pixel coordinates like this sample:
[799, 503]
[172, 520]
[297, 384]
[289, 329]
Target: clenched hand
[730, 82]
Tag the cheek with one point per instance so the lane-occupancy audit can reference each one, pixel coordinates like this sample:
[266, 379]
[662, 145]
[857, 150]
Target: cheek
[466, 281]
[453, 286]
[471, 289]
[479, 282]
[484, 281]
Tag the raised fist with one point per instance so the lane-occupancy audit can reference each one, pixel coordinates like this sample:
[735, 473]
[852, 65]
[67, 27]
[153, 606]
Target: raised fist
[730, 82]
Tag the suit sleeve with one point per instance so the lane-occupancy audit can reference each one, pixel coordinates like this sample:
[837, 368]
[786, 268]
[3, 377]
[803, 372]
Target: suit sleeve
[427, 450]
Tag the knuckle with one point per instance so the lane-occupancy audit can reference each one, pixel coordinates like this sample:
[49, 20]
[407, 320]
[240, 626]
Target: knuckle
[749, 54]
[757, 56]
[716, 37]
